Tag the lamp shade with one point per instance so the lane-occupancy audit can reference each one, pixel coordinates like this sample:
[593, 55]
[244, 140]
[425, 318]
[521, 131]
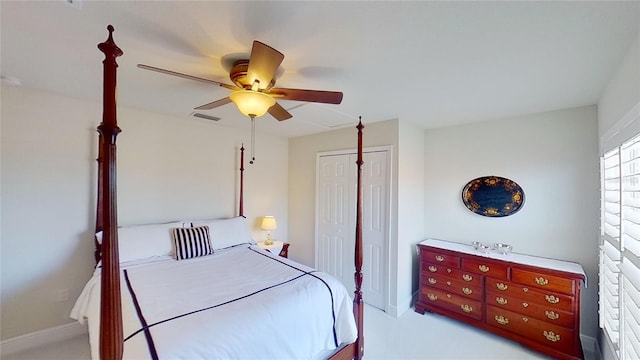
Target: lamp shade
[252, 103]
[268, 223]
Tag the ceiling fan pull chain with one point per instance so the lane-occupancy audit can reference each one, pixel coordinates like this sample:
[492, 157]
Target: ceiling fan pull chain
[253, 139]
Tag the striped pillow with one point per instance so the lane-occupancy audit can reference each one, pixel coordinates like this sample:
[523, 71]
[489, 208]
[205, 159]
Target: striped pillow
[192, 242]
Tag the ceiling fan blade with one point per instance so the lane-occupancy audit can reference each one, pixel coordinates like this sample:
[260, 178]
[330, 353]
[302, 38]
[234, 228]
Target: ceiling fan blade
[185, 76]
[319, 96]
[214, 104]
[280, 113]
[263, 64]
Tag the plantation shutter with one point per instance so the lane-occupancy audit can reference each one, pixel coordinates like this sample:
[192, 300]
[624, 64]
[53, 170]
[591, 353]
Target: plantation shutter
[610, 254]
[629, 344]
[630, 246]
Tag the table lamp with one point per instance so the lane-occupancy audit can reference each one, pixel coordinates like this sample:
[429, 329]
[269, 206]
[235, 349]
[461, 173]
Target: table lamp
[268, 223]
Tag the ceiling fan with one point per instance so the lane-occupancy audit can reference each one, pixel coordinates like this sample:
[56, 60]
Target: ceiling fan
[254, 93]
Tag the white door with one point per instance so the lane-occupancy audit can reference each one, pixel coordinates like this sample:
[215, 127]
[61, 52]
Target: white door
[335, 221]
[334, 215]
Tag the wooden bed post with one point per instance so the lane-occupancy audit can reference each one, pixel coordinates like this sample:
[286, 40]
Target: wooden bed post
[358, 304]
[111, 339]
[97, 254]
[355, 350]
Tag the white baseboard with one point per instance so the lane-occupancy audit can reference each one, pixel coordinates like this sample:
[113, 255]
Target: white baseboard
[42, 337]
[607, 348]
[397, 311]
[590, 344]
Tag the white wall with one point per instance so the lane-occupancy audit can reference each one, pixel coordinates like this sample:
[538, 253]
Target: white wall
[411, 213]
[169, 168]
[622, 91]
[554, 157]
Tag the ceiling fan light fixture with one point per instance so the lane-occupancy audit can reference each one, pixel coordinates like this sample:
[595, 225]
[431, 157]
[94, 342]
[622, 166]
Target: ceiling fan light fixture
[252, 103]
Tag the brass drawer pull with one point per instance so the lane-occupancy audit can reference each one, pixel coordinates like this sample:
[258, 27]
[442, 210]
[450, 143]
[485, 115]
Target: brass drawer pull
[501, 300]
[467, 291]
[552, 315]
[449, 283]
[439, 258]
[501, 320]
[525, 289]
[432, 281]
[466, 308]
[432, 296]
[541, 281]
[483, 268]
[524, 304]
[525, 319]
[433, 268]
[552, 299]
[551, 336]
[467, 277]
[502, 286]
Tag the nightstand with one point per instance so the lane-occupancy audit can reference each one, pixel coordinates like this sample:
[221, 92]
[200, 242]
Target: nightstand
[279, 247]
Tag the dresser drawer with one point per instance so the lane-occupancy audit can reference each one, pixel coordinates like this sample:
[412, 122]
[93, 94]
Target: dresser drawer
[485, 267]
[453, 287]
[558, 301]
[453, 303]
[542, 332]
[540, 312]
[453, 273]
[439, 258]
[543, 281]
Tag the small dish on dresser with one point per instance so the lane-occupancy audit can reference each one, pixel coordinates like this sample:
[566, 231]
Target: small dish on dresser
[503, 249]
[478, 246]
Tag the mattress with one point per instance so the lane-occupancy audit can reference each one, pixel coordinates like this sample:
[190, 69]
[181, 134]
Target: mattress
[239, 303]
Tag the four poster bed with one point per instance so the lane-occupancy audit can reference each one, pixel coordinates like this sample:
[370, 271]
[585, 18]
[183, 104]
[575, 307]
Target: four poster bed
[203, 289]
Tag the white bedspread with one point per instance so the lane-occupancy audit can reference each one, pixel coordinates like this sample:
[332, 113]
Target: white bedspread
[240, 303]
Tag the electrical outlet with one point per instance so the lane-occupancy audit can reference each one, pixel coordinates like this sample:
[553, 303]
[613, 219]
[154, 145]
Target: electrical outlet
[62, 295]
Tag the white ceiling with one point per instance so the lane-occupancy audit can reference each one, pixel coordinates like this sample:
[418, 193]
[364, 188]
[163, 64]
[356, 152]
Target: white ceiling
[432, 63]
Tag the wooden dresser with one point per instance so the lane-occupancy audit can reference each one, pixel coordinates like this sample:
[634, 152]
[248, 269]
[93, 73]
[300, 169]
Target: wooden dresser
[532, 300]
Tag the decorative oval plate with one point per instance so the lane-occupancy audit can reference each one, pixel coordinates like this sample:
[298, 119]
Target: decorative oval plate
[493, 196]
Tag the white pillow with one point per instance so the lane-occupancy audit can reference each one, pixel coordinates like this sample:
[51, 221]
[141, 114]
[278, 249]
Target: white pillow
[144, 241]
[227, 232]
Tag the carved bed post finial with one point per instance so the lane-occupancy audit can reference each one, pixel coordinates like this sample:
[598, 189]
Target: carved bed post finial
[358, 303]
[111, 339]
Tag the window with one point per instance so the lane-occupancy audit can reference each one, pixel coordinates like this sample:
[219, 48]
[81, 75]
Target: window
[620, 250]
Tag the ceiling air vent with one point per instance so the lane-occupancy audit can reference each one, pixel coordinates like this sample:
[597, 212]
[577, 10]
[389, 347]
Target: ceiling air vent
[75, 3]
[208, 117]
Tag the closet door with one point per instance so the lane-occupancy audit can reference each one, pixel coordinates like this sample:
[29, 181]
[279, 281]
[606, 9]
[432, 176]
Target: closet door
[334, 233]
[335, 221]
[375, 227]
